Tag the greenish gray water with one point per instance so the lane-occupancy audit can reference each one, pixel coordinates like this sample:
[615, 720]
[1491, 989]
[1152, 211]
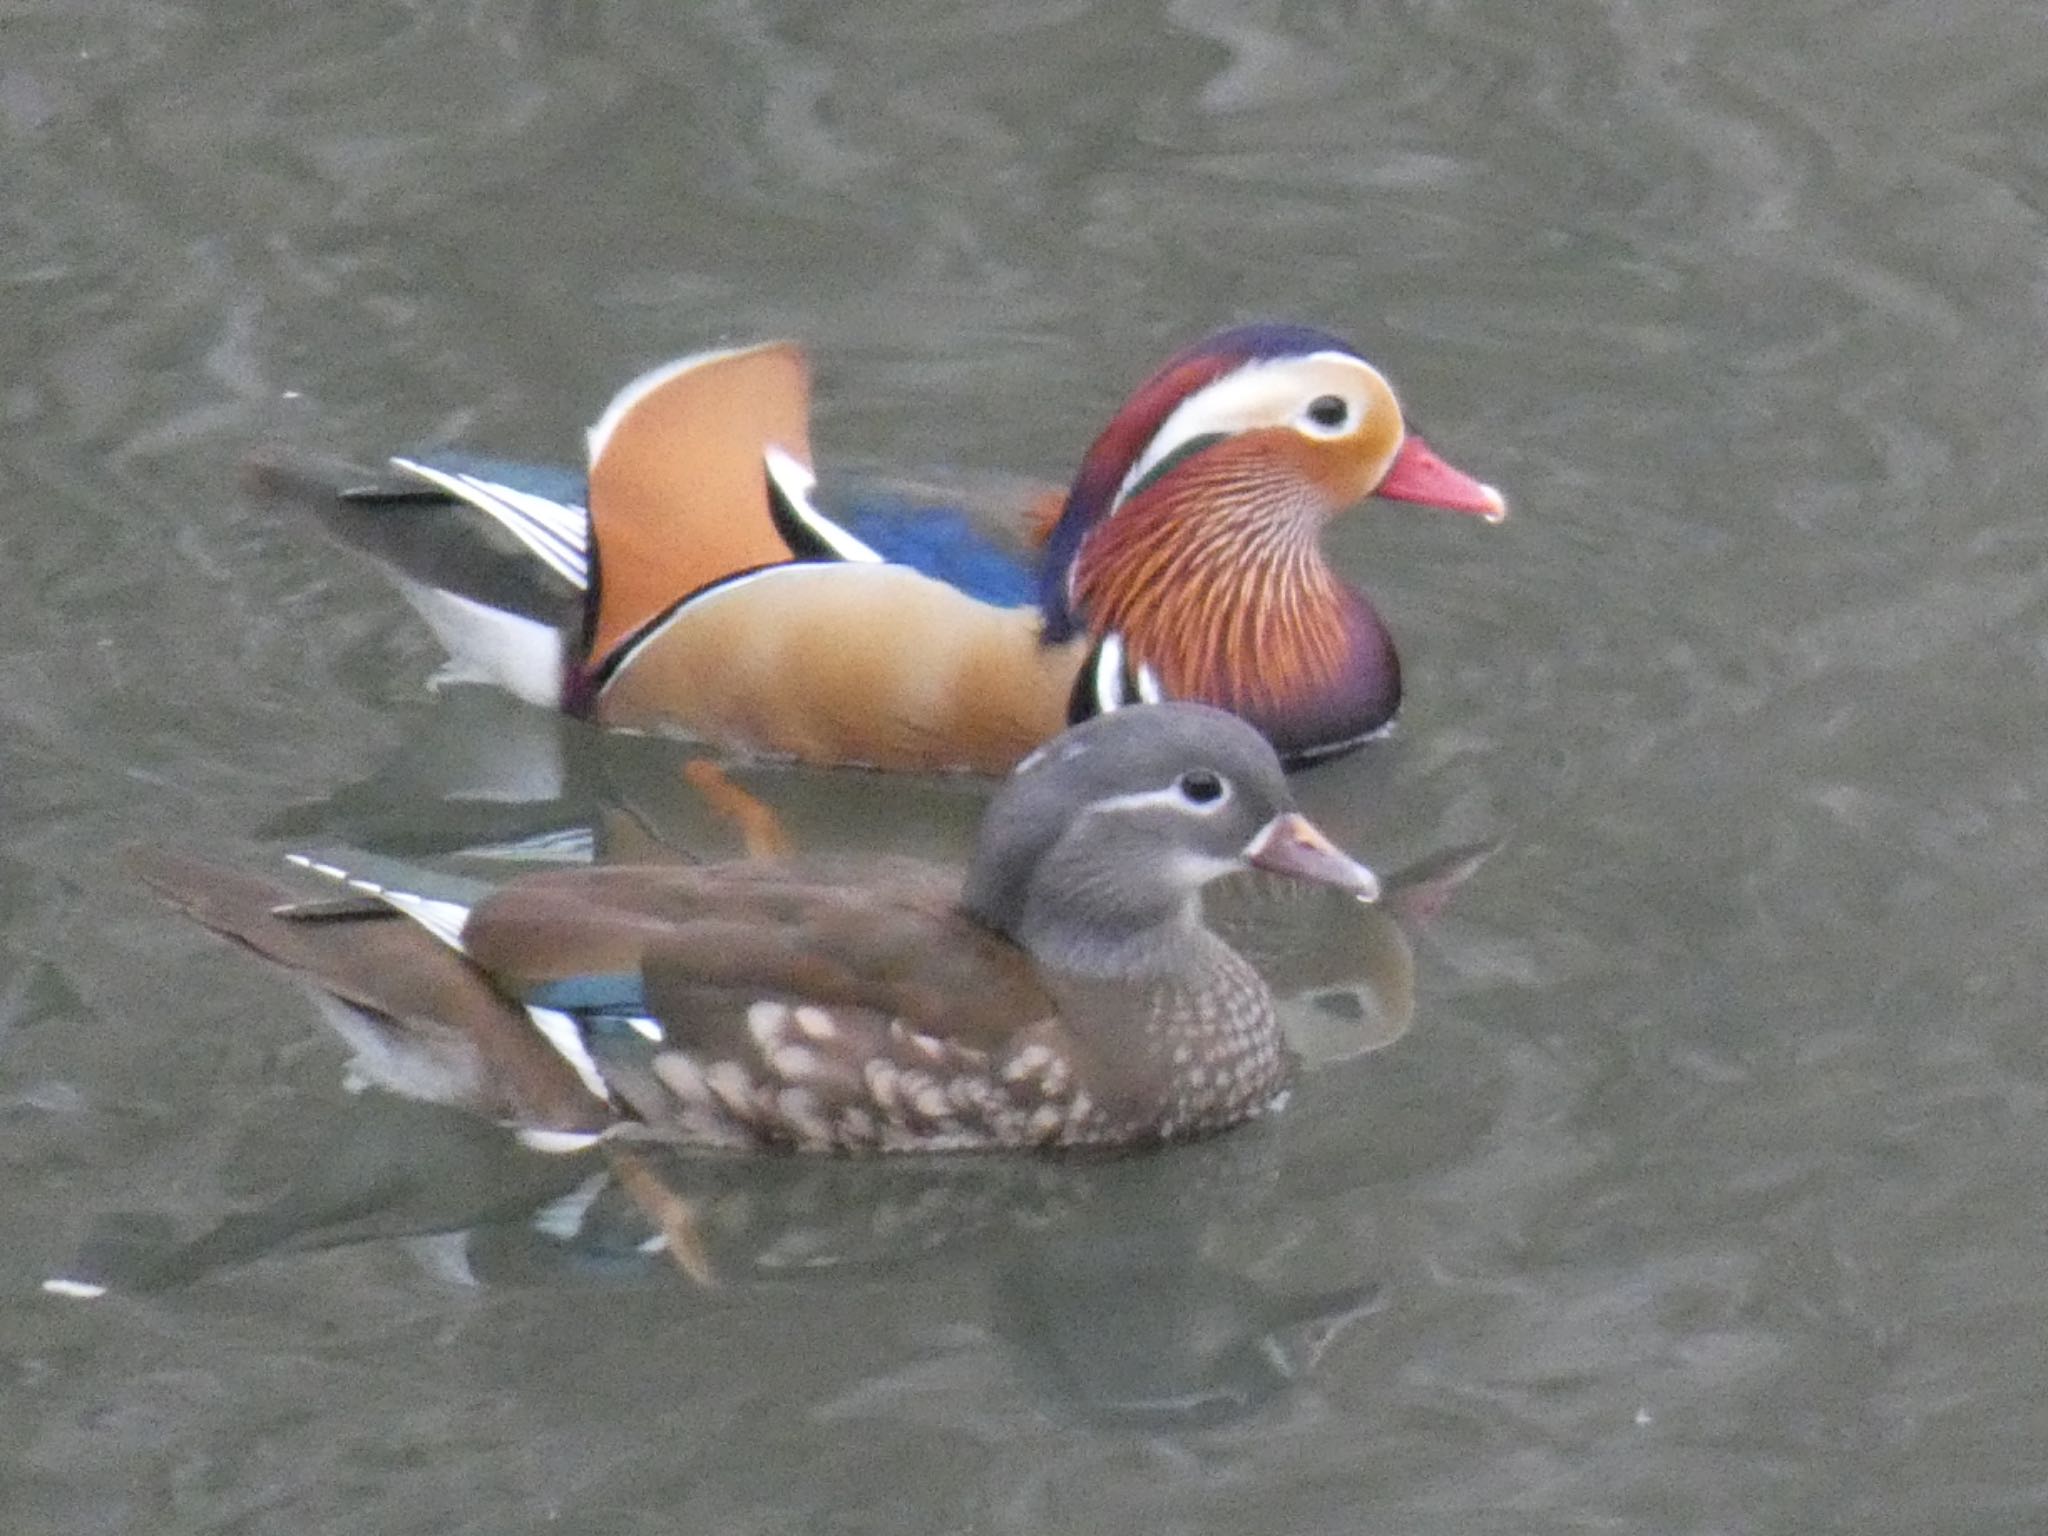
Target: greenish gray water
[1705, 1193]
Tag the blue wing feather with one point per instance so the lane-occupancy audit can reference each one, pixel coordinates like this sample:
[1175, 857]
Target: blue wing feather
[942, 542]
[620, 993]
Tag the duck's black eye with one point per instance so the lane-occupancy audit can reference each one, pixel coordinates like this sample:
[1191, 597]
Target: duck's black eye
[1329, 411]
[1198, 786]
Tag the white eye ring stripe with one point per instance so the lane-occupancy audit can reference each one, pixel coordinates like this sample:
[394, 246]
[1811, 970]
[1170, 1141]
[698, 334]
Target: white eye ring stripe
[1170, 797]
[1354, 412]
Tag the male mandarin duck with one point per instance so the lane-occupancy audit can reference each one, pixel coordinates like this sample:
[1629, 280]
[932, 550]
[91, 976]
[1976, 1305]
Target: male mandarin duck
[706, 591]
[1065, 993]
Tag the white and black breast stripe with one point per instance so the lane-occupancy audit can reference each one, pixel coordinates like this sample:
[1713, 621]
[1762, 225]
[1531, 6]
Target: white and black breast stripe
[1108, 681]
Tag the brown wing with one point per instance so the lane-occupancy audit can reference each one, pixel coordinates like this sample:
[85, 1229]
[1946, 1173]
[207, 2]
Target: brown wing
[678, 489]
[393, 971]
[771, 1004]
[792, 933]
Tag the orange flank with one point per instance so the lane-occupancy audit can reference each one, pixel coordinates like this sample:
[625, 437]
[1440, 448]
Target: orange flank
[949, 682]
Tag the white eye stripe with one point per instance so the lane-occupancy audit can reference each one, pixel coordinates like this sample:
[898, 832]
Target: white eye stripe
[1273, 392]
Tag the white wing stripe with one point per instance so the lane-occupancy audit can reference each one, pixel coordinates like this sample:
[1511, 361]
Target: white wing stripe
[793, 478]
[558, 535]
[443, 919]
[565, 530]
[566, 1036]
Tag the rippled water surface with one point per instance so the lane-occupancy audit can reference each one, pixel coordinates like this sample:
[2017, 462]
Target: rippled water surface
[1705, 1192]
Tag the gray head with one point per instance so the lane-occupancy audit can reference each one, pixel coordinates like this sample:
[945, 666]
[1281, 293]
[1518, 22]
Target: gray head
[1109, 831]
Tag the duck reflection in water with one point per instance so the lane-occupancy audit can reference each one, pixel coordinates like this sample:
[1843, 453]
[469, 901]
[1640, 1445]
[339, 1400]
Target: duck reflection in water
[1114, 1286]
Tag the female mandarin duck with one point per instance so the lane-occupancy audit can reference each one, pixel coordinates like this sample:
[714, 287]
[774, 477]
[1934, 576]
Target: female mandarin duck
[1066, 993]
[705, 591]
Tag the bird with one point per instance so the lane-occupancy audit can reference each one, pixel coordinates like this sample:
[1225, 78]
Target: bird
[1064, 992]
[698, 580]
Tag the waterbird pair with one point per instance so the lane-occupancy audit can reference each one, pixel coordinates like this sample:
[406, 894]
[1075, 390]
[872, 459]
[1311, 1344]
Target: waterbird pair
[1067, 993]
